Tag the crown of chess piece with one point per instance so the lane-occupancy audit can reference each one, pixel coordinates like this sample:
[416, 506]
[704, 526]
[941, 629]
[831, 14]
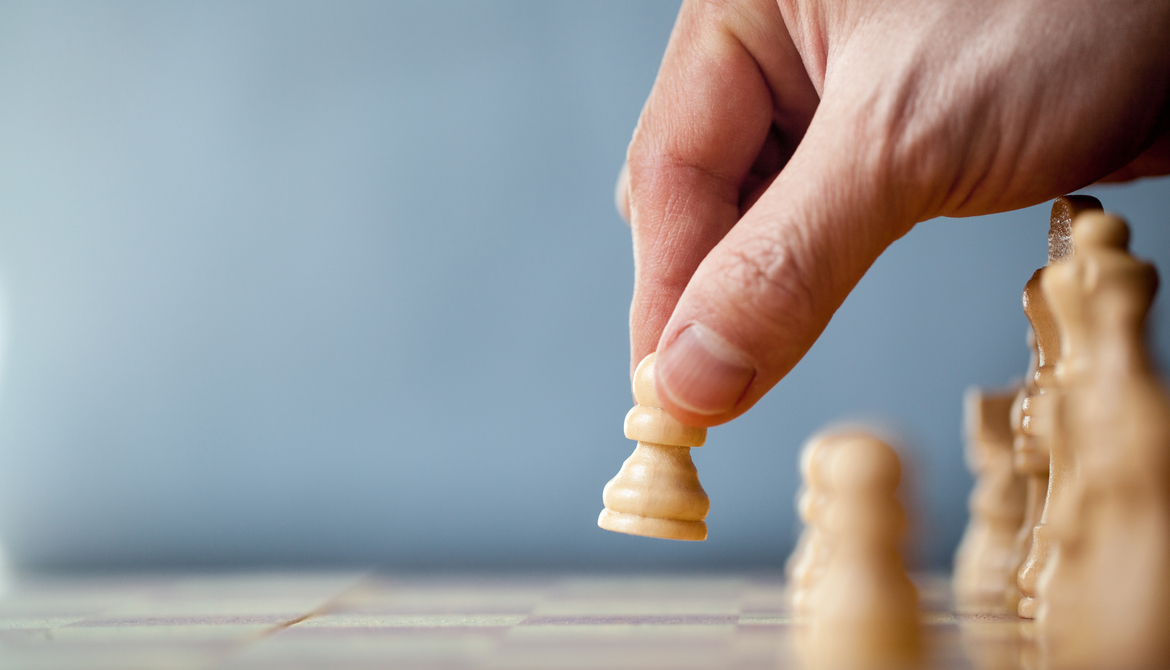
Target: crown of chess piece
[1104, 596]
[808, 559]
[1038, 411]
[864, 609]
[657, 492]
[985, 564]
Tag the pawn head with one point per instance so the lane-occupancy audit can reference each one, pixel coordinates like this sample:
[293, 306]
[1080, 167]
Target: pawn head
[862, 463]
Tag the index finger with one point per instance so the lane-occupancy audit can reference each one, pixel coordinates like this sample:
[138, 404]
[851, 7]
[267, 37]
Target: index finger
[702, 129]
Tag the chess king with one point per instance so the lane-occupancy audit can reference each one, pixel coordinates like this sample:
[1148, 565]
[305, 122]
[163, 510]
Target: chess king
[1038, 424]
[657, 491]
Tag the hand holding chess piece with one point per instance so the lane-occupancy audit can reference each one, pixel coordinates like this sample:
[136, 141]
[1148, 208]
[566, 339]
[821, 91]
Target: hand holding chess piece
[864, 609]
[786, 145]
[657, 491]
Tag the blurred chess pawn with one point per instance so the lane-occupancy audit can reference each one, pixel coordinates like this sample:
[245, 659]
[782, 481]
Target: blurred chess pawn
[864, 609]
[984, 565]
[1104, 596]
[1031, 459]
[808, 560]
[657, 492]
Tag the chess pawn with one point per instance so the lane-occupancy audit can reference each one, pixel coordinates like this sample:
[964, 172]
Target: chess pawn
[864, 610]
[805, 497]
[808, 560]
[1039, 422]
[657, 492]
[1105, 593]
[984, 566]
[1030, 460]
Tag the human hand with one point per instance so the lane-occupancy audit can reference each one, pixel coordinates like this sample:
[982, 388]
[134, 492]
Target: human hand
[786, 144]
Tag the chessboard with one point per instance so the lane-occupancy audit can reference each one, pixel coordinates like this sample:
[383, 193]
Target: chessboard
[385, 620]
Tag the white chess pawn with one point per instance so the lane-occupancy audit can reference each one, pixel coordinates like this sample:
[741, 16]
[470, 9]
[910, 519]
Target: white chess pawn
[985, 565]
[864, 611]
[808, 560]
[657, 492]
[1031, 458]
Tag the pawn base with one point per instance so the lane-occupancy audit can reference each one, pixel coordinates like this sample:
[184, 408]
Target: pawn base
[669, 529]
[1027, 608]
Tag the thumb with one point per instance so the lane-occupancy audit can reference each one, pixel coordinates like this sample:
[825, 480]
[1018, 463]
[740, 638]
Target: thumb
[763, 295]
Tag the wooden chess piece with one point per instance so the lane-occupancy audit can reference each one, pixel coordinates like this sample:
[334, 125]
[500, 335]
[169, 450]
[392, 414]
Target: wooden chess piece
[808, 560]
[984, 565]
[864, 611]
[1105, 593]
[657, 492]
[1038, 411]
[1030, 459]
[1065, 209]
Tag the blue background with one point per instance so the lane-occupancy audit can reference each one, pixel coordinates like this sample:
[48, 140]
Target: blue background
[342, 283]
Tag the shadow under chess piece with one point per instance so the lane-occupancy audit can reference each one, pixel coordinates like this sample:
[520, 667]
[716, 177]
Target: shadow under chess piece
[1104, 597]
[984, 562]
[864, 609]
[1038, 411]
[657, 492]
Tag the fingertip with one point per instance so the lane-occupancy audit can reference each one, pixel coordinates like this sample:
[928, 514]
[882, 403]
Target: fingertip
[702, 374]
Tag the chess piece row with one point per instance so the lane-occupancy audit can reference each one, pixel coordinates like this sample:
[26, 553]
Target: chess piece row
[1091, 430]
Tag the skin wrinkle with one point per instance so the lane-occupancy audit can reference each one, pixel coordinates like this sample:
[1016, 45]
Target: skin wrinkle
[918, 164]
[809, 42]
[754, 275]
[790, 243]
[979, 150]
[665, 176]
[667, 231]
[1064, 115]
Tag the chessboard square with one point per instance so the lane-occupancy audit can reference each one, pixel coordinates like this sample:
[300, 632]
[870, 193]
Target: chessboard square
[411, 621]
[447, 601]
[653, 586]
[69, 596]
[343, 648]
[649, 634]
[18, 623]
[435, 595]
[176, 620]
[261, 598]
[622, 651]
[767, 620]
[158, 633]
[764, 598]
[119, 659]
[675, 609]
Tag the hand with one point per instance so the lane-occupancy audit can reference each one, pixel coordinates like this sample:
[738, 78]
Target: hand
[785, 145]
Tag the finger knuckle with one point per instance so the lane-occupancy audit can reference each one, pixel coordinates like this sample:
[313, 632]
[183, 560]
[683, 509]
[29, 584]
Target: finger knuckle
[771, 282]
